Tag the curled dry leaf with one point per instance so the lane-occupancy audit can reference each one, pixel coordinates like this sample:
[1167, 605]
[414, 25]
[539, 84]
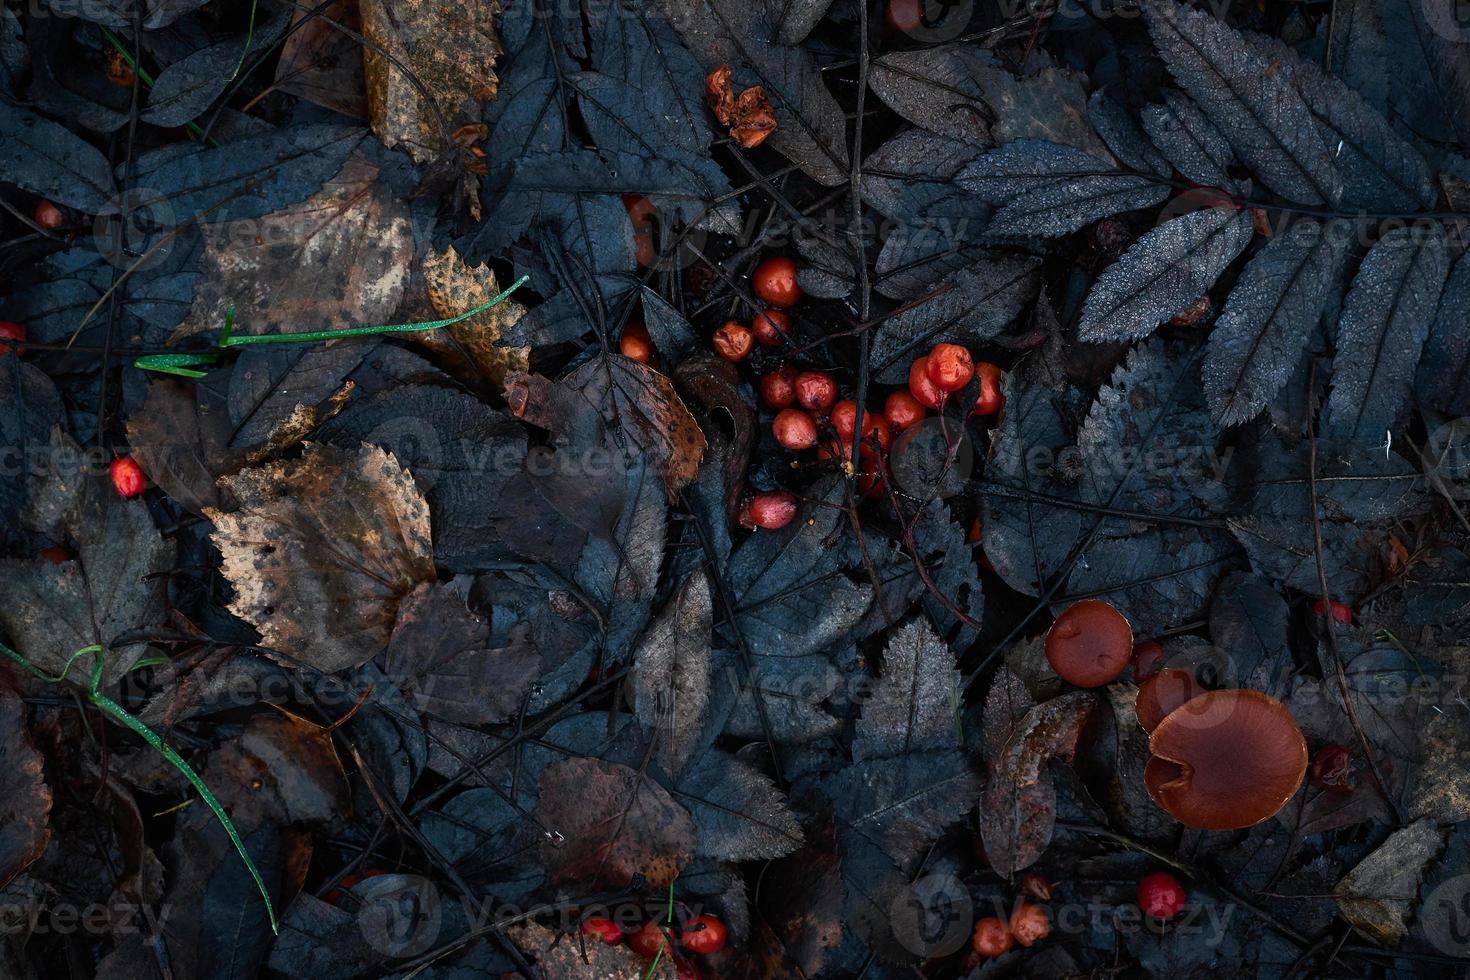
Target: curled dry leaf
[322, 550]
[749, 116]
[428, 68]
[473, 346]
[617, 823]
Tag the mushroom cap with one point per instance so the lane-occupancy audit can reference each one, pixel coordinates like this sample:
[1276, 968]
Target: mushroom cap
[1089, 644]
[1226, 760]
[1162, 693]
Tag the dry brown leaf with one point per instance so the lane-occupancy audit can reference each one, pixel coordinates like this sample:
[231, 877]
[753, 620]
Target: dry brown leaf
[616, 822]
[323, 549]
[23, 819]
[447, 45]
[472, 344]
[338, 259]
[322, 64]
[1378, 895]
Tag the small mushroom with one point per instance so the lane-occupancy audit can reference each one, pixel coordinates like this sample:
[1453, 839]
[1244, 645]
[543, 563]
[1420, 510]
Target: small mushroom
[1089, 644]
[1225, 760]
[1162, 693]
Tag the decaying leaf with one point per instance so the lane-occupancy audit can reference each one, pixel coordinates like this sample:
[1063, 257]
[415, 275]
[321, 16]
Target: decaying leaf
[429, 65]
[1378, 895]
[322, 550]
[454, 286]
[23, 830]
[584, 958]
[673, 672]
[616, 823]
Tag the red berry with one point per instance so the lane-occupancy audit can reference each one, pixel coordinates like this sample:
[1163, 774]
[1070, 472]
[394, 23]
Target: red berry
[640, 212]
[990, 399]
[55, 555]
[815, 390]
[636, 344]
[775, 281]
[704, 935]
[1332, 768]
[335, 896]
[1340, 611]
[950, 367]
[1160, 895]
[923, 390]
[778, 389]
[10, 331]
[903, 16]
[992, 937]
[648, 940]
[686, 970]
[902, 410]
[605, 929]
[771, 326]
[1148, 657]
[1029, 923]
[844, 419]
[773, 510]
[127, 477]
[643, 251]
[733, 341]
[49, 216]
[794, 429]
[977, 531]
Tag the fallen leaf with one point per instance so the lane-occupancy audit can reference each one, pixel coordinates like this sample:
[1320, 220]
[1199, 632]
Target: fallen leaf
[561, 957]
[615, 823]
[454, 287]
[673, 662]
[23, 818]
[322, 550]
[1377, 896]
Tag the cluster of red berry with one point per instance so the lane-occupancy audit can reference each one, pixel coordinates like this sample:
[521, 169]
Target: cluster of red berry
[702, 935]
[1029, 922]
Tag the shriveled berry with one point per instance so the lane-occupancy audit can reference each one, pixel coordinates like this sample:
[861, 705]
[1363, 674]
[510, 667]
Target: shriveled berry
[733, 341]
[1160, 895]
[605, 929]
[1036, 886]
[815, 390]
[636, 344]
[704, 935]
[990, 398]
[992, 937]
[647, 940]
[778, 388]
[773, 510]
[1029, 923]
[49, 216]
[924, 390]
[771, 326]
[127, 477]
[775, 281]
[794, 429]
[950, 367]
[902, 410]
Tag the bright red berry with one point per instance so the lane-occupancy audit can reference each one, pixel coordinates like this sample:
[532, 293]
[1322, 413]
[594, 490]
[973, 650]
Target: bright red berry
[778, 388]
[605, 929]
[992, 937]
[636, 344]
[991, 398]
[950, 367]
[771, 326]
[902, 410]
[127, 477]
[1341, 612]
[815, 390]
[49, 216]
[844, 419]
[10, 331]
[1160, 895]
[733, 341]
[794, 429]
[924, 390]
[704, 935]
[775, 281]
[773, 510]
[647, 940]
[1029, 923]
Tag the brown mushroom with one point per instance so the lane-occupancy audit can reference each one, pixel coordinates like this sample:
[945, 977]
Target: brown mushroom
[1225, 760]
[1089, 644]
[1162, 693]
